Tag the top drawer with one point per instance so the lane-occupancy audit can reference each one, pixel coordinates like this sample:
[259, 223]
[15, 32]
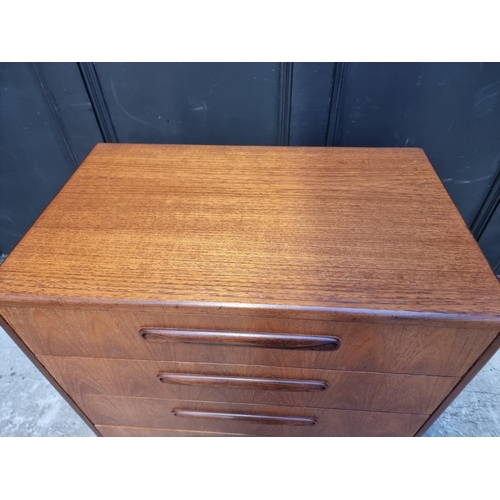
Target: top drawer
[391, 347]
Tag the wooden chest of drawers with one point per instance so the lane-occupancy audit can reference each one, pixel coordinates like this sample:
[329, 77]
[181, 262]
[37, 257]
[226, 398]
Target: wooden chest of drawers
[217, 290]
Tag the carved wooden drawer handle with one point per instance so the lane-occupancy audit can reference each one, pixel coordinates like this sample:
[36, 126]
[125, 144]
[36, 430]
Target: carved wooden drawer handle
[272, 384]
[243, 417]
[271, 340]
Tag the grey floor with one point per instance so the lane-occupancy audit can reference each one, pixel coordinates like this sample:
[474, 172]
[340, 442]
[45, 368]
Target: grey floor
[30, 406]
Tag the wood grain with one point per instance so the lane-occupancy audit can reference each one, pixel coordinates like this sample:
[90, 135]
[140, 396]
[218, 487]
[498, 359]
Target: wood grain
[113, 431]
[131, 412]
[345, 390]
[242, 339]
[259, 383]
[252, 418]
[238, 242]
[367, 229]
[388, 347]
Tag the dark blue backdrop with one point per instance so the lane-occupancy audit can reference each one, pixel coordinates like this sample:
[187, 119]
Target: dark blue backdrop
[52, 114]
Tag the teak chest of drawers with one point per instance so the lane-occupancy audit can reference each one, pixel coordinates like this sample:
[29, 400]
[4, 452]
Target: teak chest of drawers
[217, 290]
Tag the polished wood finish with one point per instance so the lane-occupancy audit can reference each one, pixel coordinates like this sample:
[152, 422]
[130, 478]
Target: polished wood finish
[369, 229]
[265, 340]
[245, 417]
[119, 411]
[391, 347]
[280, 249]
[114, 431]
[268, 384]
[346, 390]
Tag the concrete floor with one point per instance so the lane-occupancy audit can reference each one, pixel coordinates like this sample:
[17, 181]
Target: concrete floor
[30, 406]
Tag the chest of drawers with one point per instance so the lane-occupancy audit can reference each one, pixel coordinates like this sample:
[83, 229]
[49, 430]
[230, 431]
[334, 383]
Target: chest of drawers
[217, 290]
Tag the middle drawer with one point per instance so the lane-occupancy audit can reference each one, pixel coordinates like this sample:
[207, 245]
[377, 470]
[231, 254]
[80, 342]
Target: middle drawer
[281, 386]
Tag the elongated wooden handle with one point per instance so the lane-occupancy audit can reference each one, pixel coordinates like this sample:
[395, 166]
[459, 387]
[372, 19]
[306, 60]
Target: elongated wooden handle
[270, 340]
[244, 417]
[272, 384]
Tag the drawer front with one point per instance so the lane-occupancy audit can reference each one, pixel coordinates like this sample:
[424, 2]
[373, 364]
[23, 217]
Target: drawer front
[113, 431]
[258, 420]
[250, 384]
[378, 347]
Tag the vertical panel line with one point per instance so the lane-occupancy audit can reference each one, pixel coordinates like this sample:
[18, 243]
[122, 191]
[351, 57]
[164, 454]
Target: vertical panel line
[335, 104]
[54, 109]
[285, 103]
[98, 101]
[488, 207]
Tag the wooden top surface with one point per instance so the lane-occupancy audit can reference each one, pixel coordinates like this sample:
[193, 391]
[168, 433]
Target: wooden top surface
[284, 227]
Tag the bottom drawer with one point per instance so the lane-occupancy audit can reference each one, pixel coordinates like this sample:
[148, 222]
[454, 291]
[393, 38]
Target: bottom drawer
[113, 431]
[257, 420]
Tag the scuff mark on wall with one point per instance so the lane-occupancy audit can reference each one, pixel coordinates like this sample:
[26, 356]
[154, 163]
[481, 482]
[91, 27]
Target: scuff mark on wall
[479, 179]
[113, 90]
[486, 99]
